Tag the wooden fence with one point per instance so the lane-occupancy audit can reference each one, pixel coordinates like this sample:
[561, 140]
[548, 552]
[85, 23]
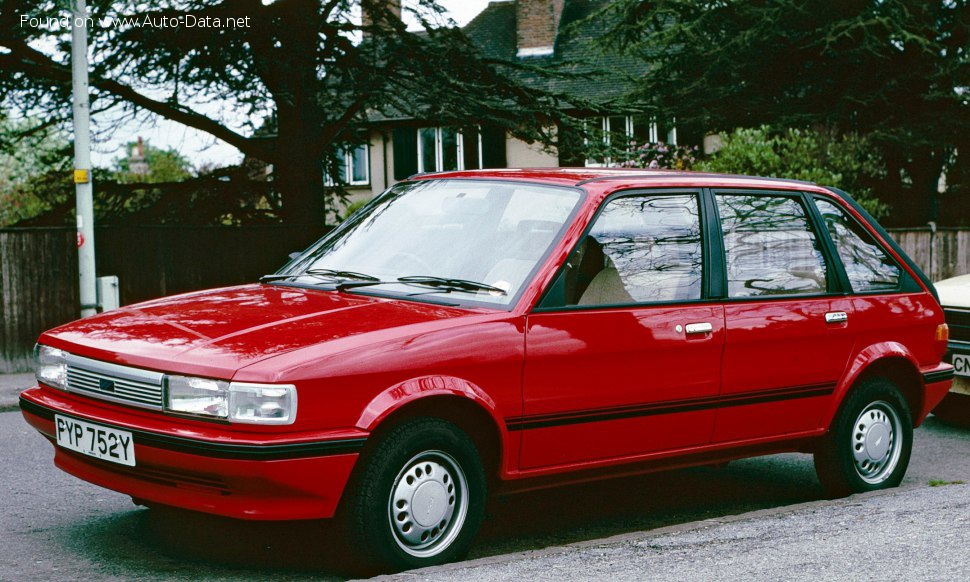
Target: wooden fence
[38, 268]
[941, 253]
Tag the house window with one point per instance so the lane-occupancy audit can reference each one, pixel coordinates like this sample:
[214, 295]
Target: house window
[353, 167]
[621, 131]
[432, 149]
[441, 149]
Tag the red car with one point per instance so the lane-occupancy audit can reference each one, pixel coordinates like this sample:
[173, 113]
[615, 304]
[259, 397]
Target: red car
[478, 331]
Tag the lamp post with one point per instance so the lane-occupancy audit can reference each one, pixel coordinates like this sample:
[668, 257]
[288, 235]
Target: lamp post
[82, 159]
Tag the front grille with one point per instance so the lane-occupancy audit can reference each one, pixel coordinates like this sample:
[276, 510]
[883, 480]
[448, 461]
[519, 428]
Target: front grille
[122, 384]
[958, 321]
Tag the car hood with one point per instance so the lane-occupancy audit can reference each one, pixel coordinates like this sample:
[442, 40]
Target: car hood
[216, 332]
[954, 292]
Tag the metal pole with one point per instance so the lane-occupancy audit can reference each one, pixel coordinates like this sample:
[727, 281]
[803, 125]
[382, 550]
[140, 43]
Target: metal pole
[82, 160]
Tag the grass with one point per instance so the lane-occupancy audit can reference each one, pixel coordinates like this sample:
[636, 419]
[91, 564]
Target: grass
[941, 482]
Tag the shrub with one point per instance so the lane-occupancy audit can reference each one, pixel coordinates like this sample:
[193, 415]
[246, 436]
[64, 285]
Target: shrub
[843, 161]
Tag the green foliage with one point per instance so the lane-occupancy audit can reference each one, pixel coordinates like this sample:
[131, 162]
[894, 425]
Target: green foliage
[846, 162]
[896, 71]
[35, 170]
[300, 61]
[354, 207]
[160, 166]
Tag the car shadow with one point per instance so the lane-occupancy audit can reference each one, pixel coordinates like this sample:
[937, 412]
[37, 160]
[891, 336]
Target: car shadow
[165, 543]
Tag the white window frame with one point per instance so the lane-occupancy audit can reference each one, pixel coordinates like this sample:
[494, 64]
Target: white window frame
[439, 153]
[348, 168]
[628, 130]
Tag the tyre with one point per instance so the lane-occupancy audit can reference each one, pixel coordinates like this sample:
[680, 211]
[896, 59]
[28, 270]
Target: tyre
[869, 442]
[419, 497]
[954, 409]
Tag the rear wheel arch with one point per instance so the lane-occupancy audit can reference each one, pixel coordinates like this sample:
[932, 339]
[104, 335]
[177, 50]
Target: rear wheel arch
[901, 372]
[891, 361]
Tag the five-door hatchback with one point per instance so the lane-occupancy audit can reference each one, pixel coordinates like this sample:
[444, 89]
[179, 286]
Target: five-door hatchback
[484, 331]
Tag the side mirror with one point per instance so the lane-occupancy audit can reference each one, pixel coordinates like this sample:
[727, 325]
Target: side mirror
[294, 255]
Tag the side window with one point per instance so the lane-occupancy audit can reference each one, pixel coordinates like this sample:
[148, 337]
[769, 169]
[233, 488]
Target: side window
[868, 266]
[641, 249]
[769, 247]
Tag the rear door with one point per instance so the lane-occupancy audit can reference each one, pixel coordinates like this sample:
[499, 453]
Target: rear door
[623, 354]
[787, 338]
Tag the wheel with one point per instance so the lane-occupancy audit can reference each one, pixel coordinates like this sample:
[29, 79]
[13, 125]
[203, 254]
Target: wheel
[419, 498]
[954, 409]
[869, 443]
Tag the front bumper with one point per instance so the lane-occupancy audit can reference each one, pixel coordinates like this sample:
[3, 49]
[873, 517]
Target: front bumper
[272, 477]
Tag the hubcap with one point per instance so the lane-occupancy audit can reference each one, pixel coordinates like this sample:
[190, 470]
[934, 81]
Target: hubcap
[875, 442]
[428, 503]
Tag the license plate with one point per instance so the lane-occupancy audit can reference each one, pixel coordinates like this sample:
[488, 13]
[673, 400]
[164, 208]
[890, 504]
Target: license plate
[101, 442]
[961, 364]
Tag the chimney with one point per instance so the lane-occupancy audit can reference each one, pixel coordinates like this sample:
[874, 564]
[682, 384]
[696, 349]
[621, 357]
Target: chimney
[371, 11]
[536, 25]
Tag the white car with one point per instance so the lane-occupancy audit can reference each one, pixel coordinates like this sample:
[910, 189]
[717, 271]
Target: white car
[955, 298]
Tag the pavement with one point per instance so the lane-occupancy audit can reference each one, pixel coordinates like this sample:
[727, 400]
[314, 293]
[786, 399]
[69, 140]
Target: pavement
[11, 385]
[902, 534]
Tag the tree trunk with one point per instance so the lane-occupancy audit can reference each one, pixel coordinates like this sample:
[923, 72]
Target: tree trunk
[297, 169]
[298, 172]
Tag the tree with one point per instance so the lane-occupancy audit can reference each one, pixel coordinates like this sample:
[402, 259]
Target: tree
[158, 165]
[28, 167]
[894, 71]
[846, 161]
[311, 64]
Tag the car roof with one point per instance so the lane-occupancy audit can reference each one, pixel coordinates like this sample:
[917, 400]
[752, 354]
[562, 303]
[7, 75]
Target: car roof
[626, 176]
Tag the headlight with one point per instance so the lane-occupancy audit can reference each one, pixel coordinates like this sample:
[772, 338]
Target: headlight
[262, 403]
[50, 366]
[234, 401]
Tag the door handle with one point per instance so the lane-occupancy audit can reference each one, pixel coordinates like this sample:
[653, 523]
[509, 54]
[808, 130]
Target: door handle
[836, 317]
[693, 328]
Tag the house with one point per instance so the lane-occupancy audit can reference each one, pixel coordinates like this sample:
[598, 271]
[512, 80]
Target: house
[543, 33]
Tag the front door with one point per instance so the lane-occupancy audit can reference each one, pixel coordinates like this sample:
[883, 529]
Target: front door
[630, 363]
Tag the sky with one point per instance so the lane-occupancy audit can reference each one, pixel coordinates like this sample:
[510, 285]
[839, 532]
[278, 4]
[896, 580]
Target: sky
[203, 149]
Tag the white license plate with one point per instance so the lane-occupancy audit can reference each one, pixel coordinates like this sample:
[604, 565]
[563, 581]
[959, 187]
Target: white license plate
[109, 444]
[961, 364]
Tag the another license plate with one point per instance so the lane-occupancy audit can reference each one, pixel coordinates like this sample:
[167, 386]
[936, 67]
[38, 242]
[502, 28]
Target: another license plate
[109, 444]
[961, 364]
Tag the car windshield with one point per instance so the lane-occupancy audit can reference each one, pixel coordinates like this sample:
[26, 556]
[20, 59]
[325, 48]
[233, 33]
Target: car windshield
[456, 241]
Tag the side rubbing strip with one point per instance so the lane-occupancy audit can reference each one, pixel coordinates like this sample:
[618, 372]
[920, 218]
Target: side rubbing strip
[671, 407]
[938, 376]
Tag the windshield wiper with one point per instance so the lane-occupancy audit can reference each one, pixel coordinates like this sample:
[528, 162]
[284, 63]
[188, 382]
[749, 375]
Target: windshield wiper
[451, 284]
[324, 274]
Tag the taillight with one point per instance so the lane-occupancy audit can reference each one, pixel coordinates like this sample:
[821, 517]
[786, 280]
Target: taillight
[943, 333]
[942, 337]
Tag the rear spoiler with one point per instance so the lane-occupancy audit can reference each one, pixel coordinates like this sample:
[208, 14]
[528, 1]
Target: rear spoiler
[889, 240]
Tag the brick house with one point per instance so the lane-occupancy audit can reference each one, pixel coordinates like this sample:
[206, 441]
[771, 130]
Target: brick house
[538, 32]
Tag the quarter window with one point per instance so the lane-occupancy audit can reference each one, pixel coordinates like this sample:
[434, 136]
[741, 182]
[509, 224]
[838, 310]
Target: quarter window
[867, 265]
[769, 247]
[641, 249]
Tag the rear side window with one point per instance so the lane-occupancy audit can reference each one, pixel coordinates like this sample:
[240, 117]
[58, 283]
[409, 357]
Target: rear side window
[868, 266]
[769, 247]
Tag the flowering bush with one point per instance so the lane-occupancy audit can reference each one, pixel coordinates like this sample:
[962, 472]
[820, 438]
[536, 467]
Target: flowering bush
[658, 156]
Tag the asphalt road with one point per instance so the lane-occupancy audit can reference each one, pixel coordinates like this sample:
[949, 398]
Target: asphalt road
[57, 527]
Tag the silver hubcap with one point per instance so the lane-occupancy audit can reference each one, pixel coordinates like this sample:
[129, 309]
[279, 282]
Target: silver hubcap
[428, 503]
[875, 442]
